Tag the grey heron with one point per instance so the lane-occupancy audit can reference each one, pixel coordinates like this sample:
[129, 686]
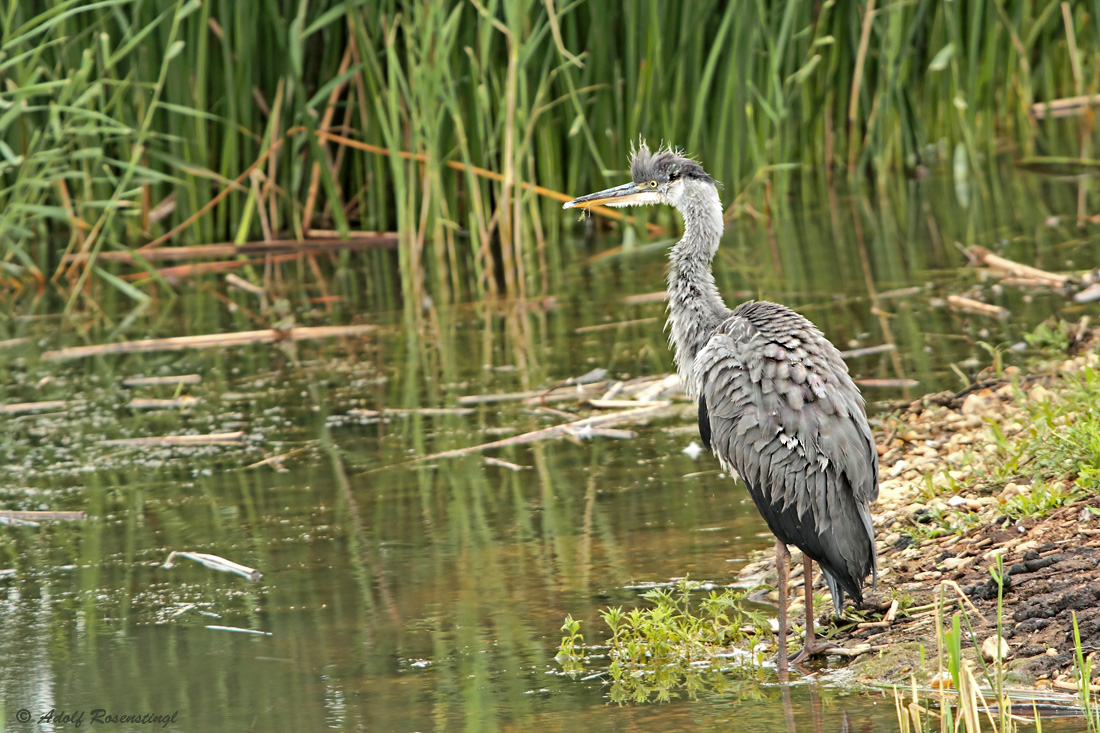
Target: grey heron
[776, 403]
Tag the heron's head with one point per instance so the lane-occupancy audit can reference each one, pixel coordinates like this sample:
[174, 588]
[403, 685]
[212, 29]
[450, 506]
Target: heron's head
[664, 177]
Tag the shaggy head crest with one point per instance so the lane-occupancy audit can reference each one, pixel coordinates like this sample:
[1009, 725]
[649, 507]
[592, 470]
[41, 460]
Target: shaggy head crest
[667, 164]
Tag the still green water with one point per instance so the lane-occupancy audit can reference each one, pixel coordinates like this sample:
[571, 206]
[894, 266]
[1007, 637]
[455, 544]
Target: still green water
[429, 596]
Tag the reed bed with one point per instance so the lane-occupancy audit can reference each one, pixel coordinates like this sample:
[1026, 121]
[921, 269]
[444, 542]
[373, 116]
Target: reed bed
[130, 127]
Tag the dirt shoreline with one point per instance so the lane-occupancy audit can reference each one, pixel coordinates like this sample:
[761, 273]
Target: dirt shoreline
[943, 471]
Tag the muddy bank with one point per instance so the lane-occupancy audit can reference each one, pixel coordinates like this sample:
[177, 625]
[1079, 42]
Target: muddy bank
[1003, 469]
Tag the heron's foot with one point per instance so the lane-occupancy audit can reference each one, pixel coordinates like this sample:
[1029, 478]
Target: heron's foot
[812, 649]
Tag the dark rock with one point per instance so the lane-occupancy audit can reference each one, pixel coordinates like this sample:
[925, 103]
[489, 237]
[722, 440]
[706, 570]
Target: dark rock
[987, 591]
[1031, 625]
[1077, 598]
[1039, 563]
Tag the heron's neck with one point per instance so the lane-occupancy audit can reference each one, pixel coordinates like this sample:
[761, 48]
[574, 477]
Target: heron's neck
[694, 306]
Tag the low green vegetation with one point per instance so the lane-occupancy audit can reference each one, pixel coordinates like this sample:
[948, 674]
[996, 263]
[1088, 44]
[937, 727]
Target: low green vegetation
[680, 644]
[1058, 449]
[1053, 459]
[677, 643]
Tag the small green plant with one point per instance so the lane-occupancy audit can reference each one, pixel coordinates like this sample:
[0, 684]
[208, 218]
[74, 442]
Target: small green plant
[1083, 666]
[571, 654]
[1040, 501]
[677, 643]
[1049, 336]
[997, 355]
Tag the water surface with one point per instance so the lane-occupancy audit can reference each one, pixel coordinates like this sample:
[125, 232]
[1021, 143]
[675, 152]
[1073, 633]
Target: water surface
[429, 596]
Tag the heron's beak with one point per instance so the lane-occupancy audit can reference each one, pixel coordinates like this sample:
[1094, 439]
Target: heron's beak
[625, 195]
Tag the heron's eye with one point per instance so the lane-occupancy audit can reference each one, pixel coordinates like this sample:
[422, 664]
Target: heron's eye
[653, 184]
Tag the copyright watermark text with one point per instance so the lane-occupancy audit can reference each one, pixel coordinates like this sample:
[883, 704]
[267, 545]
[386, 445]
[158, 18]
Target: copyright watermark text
[98, 716]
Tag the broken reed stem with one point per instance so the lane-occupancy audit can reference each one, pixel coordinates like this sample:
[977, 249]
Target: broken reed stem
[208, 341]
[326, 122]
[484, 173]
[969, 305]
[233, 438]
[169, 381]
[982, 256]
[20, 408]
[145, 403]
[1065, 107]
[41, 516]
[357, 241]
[573, 428]
[428, 411]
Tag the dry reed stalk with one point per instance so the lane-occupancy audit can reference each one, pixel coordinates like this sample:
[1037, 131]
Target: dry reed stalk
[888, 383]
[535, 395]
[603, 211]
[318, 244]
[40, 516]
[867, 351]
[982, 256]
[210, 439]
[208, 341]
[217, 198]
[578, 428]
[326, 122]
[427, 411]
[617, 324]
[857, 81]
[21, 408]
[621, 404]
[146, 403]
[643, 298]
[1065, 107]
[170, 381]
[969, 305]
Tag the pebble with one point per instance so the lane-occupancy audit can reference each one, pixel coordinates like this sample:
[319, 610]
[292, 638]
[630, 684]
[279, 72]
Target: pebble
[994, 648]
[954, 563]
[941, 481]
[1010, 490]
[928, 575]
[1039, 393]
[975, 404]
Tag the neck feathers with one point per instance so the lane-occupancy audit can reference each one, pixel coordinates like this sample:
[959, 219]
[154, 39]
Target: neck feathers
[694, 307]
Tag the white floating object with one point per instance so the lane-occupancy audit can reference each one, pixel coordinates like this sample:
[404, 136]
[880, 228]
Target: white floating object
[214, 562]
[693, 450]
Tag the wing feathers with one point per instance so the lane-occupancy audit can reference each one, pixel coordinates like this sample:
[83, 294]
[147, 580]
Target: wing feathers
[782, 411]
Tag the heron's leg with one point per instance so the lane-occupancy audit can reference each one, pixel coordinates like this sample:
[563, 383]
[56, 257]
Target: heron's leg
[808, 592]
[783, 568]
[811, 647]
